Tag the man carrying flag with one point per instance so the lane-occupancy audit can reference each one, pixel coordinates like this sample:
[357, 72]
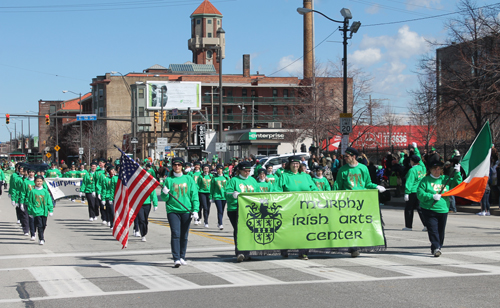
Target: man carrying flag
[132, 189]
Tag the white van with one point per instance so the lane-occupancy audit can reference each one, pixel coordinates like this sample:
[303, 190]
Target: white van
[277, 160]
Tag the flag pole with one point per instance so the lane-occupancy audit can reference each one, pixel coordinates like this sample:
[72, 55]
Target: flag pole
[190, 212]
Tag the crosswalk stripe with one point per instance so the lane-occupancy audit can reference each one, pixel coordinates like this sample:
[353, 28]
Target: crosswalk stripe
[152, 277]
[316, 269]
[410, 270]
[63, 280]
[234, 274]
[455, 263]
[486, 255]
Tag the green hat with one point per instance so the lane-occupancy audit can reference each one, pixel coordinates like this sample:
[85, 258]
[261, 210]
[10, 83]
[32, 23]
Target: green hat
[379, 167]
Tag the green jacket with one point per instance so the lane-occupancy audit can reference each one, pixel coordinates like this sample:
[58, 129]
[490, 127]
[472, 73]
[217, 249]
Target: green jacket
[12, 186]
[322, 184]
[26, 187]
[353, 178]
[100, 175]
[88, 183]
[53, 173]
[39, 202]
[272, 178]
[185, 190]
[108, 191]
[266, 186]
[152, 199]
[2, 175]
[195, 175]
[218, 187]
[73, 174]
[300, 181]
[204, 183]
[81, 173]
[240, 185]
[430, 186]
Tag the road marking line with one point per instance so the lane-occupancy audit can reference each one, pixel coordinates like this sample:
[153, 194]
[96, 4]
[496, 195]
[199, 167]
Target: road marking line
[456, 263]
[320, 270]
[234, 274]
[410, 270]
[152, 277]
[63, 281]
[198, 232]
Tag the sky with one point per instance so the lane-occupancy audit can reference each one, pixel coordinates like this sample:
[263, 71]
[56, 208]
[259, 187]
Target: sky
[54, 45]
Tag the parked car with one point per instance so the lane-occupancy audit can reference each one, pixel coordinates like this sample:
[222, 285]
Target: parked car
[277, 160]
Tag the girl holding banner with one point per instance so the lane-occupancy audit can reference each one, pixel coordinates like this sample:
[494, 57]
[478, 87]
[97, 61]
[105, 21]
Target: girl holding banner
[294, 180]
[242, 182]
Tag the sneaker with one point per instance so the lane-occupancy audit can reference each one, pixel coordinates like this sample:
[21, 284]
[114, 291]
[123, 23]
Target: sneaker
[197, 222]
[183, 262]
[109, 224]
[424, 229]
[137, 234]
[143, 239]
[407, 229]
[104, 222]
[437, 252]
[487, 214]
[27, 234]
[240, 258]
[206, 225]
[221, 227]
[19, 222]
[354, 253]
[303, 257]
[481, 213]
[177, 263]
[32, 238]
[42, 242]
[72, 200]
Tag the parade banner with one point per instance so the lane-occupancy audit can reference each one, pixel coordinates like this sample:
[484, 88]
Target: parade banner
[309, 220]
[62, 187]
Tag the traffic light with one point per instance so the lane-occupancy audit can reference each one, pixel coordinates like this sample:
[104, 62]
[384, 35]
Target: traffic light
[7, 118]
[47, 119]
[164, 115]
[157, 117]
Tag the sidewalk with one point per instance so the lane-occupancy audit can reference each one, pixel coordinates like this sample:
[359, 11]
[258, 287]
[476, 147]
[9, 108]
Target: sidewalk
[475, 208]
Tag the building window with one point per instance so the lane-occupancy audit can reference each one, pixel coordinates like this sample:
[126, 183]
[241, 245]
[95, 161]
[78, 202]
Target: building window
[218, 22]
[244, 92]
[209, 54]
[275, 92]
[198, 21]
[141, 111]
[229, 92]
[216, 110]
[141, 93]
[101, 93]
[52, 109]
[254, 93]
[209, 21]
[285, 93]
[275, 110]
[209, 34]
[229, 111]
[223, 92]
[285, 110]
[101, 111]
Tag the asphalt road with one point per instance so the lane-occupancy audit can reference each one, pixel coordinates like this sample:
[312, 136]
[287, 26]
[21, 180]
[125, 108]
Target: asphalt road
[82, 265]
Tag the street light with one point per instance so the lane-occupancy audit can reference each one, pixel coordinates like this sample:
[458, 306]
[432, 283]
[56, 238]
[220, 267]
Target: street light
[29, 127]
[346, 13]
[81, 123]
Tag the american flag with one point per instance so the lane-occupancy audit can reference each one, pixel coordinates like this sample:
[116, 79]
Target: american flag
[133, 187]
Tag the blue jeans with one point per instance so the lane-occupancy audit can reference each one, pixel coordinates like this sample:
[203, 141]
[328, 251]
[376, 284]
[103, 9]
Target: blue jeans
[233, 218]
[221, 205]
[485, 202]
[453, 204]
[179, 230]
[205, 205]
[436, 224]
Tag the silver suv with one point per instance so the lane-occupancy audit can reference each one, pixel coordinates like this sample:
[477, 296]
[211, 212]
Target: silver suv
[277, 160]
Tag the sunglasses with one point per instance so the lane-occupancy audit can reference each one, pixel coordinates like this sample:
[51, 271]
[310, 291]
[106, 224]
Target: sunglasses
[177, 165]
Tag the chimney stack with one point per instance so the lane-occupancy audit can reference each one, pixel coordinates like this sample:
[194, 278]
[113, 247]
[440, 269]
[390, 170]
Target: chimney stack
[246, 65]
[308, 42]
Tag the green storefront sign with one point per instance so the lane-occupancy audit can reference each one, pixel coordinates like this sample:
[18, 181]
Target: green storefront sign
[308, 220]
[263, 136]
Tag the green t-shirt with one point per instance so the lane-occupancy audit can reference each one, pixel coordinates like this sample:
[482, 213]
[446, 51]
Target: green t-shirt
[299, 181]
[218, 187]
[240, 185]
[430, 186]
[185, 190]
[265, 186]
[353, 178]
[322, 184]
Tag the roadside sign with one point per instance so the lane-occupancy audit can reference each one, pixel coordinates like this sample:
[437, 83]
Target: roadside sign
[48, 155]
[220, 147]
[134, 140]
[80, 149]
[346, 123]
[80, 152]
[161, 142]
[57, 148]
[86, 117]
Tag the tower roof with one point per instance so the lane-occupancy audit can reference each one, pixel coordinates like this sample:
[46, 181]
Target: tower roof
[206, 8]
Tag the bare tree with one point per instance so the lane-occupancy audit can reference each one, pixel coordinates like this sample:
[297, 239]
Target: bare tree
[468, 75]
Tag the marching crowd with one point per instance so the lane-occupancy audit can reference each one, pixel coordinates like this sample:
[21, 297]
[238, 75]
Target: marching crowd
[189, 190]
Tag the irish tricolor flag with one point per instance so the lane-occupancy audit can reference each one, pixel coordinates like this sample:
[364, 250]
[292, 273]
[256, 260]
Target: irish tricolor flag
[476, 164]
